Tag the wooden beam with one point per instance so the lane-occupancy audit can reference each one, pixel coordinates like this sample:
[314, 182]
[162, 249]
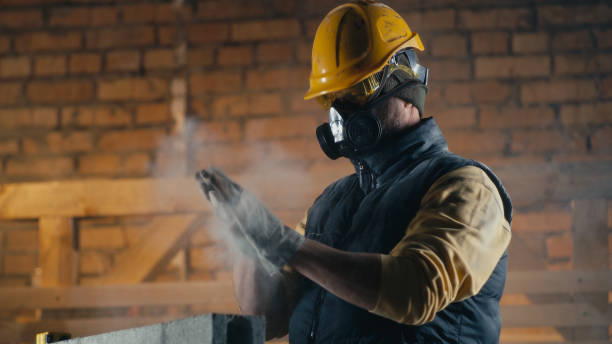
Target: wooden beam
[57, 254]
[165, 236]
[214, 293]
[120, 197]
[549, 282]
[558, 315]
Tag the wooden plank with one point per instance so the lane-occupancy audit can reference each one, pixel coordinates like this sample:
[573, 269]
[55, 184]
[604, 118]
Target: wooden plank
[166, 234]
[548, 282]
[57, 254]
[100, 197]
[558, 315]
[120, 197]
[144, 294]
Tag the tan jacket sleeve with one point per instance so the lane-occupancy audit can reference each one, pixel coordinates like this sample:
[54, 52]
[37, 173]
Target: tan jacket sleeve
[449, 250]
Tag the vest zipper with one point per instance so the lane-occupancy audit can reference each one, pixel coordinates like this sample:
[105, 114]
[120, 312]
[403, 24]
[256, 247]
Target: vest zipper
[315, 317]
[367, 180]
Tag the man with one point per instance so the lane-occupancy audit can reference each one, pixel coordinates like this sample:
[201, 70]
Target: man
[410, 248]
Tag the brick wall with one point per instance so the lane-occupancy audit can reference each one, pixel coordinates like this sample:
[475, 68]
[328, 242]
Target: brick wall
[107, 88]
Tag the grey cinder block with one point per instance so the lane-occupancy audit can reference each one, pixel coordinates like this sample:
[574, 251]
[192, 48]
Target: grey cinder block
[202, 329]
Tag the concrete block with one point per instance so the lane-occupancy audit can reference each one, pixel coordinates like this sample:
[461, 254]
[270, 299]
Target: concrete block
[202, 329]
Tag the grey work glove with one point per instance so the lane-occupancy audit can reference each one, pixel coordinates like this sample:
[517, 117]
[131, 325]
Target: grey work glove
[251, 227]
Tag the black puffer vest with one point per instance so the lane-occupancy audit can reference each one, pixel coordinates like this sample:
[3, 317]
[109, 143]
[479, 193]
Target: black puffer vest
[369, 212]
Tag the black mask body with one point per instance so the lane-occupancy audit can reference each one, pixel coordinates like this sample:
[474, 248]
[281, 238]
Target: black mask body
[351, 134]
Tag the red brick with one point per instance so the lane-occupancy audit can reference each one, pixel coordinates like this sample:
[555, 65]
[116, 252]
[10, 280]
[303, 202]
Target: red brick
[167, 35]
[33, 146]
[159, 59]
[455, 117]
[138, 13]
[545, 220]
[235, 56]
[215, 82]
[609, 225]
[524, 43]
[133, 89]
[304, 52]
[604, 63]
[137, 36]
[558, 91]
[559, 246]
[516, 117]
[11, 67]
[83, 17]
[217, 9]
[490, 42]
[280, 127]
[606, 88]
[9, 147]
[200, 57]
[110, 238]
[20, 263]
[278, 79]
[512, 67]
[469, 142]
[569, 41]
[99, 164]
[39, 167]
[293, 150]
[22, 239]
[84, 63]
[575, 64]
[152, 113]
[95, 116]
[480, 92]
[93, 263]
[28, 117]
[545, 141]
[5, 44]
[450, 70]
[124, 60]
[564, 15]
[136, 164]
[126, 140]
[45, 41]
[602, 140]
[604, 38]
[435, 20]
[26, 19]
[265, 29]
[496, 19]
[102, 16]
[50, 65]
[275, 52]
[69, 17]
[449, 45]
[69, 142]
[208, 32]
[65, 91]
[168, 12]
[312, 26]
[229, 157]
[599, 113]
[223, 131]
[10, 92]
[248, 104]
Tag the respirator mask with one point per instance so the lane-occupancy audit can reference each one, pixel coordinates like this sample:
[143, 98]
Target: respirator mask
[353, 128]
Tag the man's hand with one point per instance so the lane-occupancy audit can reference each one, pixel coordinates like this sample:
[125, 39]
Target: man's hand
[251, 227]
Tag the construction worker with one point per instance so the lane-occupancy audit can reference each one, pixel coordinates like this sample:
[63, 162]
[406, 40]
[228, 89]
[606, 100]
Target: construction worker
[411, 248]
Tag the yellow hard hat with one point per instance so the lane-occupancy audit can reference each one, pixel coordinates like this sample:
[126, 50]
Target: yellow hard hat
[354, 41]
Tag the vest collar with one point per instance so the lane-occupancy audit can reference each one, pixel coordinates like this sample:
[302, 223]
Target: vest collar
[403, 148]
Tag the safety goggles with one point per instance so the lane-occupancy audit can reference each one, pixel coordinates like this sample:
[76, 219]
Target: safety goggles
[358, 95]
